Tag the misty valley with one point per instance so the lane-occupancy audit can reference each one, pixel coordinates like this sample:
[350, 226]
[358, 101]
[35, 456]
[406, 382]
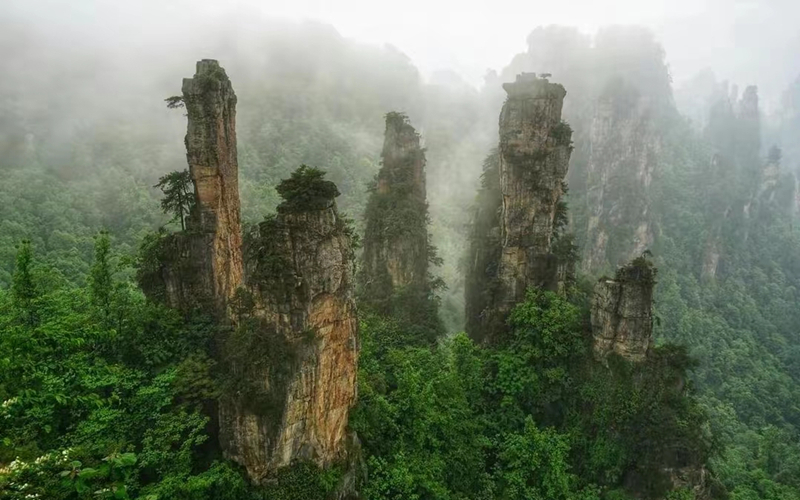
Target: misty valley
[273, 262]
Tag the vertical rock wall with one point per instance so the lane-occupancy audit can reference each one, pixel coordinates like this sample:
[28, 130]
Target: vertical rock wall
[622, 312]
[534, 157]
[294, 392]
[200, 269]
[534, 151]
[288, 354]
[396, 236]
[624, 150]
[211, 153]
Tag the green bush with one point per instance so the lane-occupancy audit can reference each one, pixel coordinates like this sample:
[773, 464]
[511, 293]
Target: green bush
[305, 190]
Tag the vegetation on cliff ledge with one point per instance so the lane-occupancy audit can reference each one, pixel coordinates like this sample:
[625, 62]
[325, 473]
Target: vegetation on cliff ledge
[306, 190]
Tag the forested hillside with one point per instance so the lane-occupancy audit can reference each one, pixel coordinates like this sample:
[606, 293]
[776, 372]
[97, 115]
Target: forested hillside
[714, 199]
[108, 394]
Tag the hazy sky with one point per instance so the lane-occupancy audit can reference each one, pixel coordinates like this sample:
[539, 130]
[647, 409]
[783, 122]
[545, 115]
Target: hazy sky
[749, 41]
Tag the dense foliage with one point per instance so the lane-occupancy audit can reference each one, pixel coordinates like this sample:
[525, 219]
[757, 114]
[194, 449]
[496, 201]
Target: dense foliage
[533, 417]
[105, 395]
[306, 189]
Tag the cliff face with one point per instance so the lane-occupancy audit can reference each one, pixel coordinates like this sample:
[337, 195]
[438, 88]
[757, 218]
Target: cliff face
[533, 158]
[288, 354]
[481, 282]
[622, 312]
[293, 393]
[394, 278]
[211, 153]
[396, 236]
[742, 181]
[624, 149]
[201, 268]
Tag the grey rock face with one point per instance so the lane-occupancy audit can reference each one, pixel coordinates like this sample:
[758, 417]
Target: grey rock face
[534, 153]
[624, 149]
[622, 312]
[396, 237]
[534, 159]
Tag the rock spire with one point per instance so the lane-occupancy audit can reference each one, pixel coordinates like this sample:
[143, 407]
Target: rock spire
[532, 161]
[284, 299]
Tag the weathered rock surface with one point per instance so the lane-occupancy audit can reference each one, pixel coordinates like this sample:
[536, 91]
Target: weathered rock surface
[201, 268]
[396, 236]
[300, 274]
[484, 254]
[535, 147]
[211, 153]
[625, 145]
[622, 312]
[694, 478]
[534, 157]
[289, 360]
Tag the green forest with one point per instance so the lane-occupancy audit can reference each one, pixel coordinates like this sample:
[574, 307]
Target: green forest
[108, 394]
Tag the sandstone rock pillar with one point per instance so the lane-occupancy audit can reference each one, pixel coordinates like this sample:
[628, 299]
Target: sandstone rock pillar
[211, 152]
[287, 350]
[535, 147]
[396, 236]
[292, 360]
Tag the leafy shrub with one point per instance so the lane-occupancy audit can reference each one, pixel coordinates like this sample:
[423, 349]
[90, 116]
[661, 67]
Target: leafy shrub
[305, 190]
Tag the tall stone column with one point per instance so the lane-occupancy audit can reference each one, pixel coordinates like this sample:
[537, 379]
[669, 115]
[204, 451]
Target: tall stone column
[396, 236]
[293, 357]
[288, 350]
[535, 147]
[211, 152]
[394, 278]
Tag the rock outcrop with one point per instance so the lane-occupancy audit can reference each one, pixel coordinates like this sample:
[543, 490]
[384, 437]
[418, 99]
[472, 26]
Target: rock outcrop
[625, 145]
[211, 153]
[622, 312]
[289, 343]
[394, 278]
[293, 356]
[396, 234]
[535, 147]
[201, 268]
